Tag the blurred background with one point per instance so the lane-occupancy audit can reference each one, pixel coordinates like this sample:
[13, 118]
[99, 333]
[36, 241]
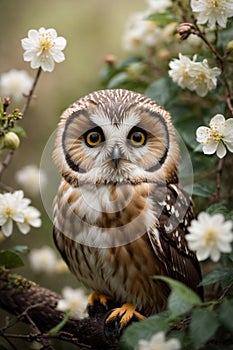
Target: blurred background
[93, 30]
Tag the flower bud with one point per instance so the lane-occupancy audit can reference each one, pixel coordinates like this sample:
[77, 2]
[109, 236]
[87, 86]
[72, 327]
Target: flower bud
[185, 29]
[11, 141]
[135, 69]
[110, 60]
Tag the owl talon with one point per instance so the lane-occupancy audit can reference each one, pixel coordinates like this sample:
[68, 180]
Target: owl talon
[118, 319]
[95, 300]
[98, 297]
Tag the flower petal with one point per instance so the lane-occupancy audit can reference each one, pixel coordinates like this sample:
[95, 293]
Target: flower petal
[210, 148]
[23, 227]
[221, 150]
[202, 134]
[7, 228]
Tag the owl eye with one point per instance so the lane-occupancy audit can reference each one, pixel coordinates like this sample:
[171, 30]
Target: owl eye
[94, 137]
[137, 137]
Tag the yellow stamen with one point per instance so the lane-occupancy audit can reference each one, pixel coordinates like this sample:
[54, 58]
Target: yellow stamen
[46, 42]
[8, 212]
[210, 236]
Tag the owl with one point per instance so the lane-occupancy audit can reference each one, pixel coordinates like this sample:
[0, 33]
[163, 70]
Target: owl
[120, 215]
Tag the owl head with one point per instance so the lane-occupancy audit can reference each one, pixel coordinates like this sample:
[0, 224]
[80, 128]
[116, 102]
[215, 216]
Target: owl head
[116, 136]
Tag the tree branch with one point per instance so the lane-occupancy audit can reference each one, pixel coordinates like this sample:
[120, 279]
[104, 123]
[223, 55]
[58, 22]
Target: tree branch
[34, 304]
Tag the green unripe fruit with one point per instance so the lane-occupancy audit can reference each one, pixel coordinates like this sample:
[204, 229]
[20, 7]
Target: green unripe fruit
[11, 140]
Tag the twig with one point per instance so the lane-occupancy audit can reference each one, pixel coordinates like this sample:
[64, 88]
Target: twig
[10, 155]
[6, 162]
[30, 95]
[228, 288]
[5, 336]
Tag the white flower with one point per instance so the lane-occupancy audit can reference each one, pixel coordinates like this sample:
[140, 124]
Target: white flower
[61, 266]
[14, 207]
[140, 33]
[209, 236]
[43, 47]
[74, 300]
[195, 76]
[43, 259]
[158, 342]
[159, 6]
[217, 137]
[31, 218]
[212, 11]
[31, 178]
[15, 84]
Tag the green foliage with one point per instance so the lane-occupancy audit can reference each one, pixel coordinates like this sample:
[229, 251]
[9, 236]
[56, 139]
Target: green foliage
[222, 275]
[162, 91]
[203, 326]
[182, 291]
[10, 260]
[162, 19]
[55, 330]
[144, 330]
[198, 325]
[22, 249]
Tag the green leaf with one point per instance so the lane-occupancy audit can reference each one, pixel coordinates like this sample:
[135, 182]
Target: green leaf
[10, 259]
[61, 324]
[202, 190]
[2, 347]
[224, 274]
[177, 305]
[218, 208]
[225, 314]
[19, 131]
[162, 19]
[184, 292]
[118, 80]
[162, 91]
[144, 330]
[23, 249]
[204, 324]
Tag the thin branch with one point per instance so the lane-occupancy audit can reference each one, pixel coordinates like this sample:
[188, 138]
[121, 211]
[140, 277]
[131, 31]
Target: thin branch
[6, 162]
[31, 92]
[225, 292]
[4, 336]
[10, 155]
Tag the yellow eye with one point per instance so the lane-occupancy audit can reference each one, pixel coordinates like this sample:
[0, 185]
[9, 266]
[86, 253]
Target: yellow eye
[137, 137]
[94, 137]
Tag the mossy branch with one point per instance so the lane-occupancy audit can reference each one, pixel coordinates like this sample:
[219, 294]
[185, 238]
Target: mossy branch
[37, 306]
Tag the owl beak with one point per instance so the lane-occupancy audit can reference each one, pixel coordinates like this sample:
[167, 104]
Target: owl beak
[116, 156]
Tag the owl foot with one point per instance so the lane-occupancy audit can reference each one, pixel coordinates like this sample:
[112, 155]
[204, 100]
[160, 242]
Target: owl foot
[96, 301]
[98, 297]
[118, 319]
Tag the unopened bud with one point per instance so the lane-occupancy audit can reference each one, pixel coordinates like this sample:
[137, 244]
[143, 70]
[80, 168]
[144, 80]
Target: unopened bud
[164, 54]
[185, 29]
[135, 69]
[11, 140]
[110, 60]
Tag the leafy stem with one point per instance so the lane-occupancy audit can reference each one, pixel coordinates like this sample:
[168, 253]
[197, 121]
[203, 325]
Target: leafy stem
[29, 97]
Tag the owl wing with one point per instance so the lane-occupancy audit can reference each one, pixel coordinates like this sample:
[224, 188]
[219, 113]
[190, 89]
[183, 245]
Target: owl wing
[169, 242]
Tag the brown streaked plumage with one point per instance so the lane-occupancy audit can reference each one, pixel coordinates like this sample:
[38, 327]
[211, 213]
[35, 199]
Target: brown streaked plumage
[120, 216]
